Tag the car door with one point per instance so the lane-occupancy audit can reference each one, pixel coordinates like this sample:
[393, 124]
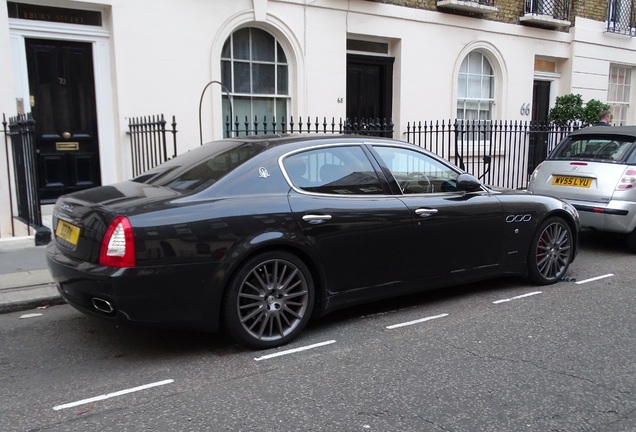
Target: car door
[345, 209]
[456, 233]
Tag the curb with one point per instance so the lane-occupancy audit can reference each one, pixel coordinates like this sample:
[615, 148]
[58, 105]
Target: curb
[23, 298]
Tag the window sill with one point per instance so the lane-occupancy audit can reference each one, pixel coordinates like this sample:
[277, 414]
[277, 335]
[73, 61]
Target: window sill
[466, 6]
[545, 20]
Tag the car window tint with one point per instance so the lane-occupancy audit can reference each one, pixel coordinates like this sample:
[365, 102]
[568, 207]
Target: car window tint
[333, 170]
[597, 148]
[189, 172]
[416, 172]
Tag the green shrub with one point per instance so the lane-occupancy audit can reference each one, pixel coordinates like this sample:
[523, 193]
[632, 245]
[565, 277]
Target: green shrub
[569, 108]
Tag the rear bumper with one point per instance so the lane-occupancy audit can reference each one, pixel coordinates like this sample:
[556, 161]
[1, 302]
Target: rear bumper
[615, 216]
[177, 296]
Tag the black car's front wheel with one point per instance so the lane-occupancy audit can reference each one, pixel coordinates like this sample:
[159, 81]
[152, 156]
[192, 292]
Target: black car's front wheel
[269, 300]
[551, 251]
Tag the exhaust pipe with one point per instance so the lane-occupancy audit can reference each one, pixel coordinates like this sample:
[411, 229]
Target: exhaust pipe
[102, 305]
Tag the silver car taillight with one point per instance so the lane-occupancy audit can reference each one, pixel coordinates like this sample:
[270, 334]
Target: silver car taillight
[628, 180]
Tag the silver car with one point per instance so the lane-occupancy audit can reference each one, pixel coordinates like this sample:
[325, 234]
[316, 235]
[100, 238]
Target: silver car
[595, 169]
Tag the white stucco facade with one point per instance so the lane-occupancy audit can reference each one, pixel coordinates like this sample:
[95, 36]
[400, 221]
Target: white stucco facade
[156, 56]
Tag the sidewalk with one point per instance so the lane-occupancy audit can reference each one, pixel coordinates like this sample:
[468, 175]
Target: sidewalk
[25, 282]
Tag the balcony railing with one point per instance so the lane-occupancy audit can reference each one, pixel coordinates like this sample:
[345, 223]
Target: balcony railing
[620, 17]
[553, 13]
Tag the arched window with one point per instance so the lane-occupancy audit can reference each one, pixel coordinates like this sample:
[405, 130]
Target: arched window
[475, 88]
[255, 72]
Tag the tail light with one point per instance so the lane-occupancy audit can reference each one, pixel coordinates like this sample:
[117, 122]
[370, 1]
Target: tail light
[628, 180]
[118, 246]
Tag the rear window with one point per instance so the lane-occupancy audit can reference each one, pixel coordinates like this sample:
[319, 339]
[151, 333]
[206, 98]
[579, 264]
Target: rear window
[610, 149]
[201, 167]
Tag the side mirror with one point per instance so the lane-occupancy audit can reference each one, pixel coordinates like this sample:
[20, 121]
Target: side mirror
[468, 183]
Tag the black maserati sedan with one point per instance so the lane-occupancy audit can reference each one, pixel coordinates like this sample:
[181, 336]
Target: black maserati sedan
[253, 236]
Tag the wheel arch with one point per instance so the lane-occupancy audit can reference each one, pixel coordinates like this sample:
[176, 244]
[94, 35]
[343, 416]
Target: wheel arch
[567, 217]
[317, 273]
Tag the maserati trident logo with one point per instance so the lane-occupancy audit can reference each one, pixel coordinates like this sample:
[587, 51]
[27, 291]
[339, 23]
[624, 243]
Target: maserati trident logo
[263, 173]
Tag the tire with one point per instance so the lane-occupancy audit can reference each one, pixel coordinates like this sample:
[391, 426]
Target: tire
[551, 251]
[631, 241]
[269, 300]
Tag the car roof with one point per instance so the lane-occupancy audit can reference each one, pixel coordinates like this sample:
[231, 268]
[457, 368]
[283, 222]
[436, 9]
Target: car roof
[629, 131]
[281, 139]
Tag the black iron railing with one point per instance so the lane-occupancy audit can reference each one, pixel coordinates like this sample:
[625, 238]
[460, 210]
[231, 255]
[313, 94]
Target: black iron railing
[557, 9]
[374, 127]
[500, 153]
[21, 133]
[621, 17]
[148, 142]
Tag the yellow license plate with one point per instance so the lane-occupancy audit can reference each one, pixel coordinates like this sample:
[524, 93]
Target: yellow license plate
[572, 181]
[67, 232]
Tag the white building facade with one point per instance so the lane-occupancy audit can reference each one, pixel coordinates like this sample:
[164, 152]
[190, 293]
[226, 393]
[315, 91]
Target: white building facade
[282, 58]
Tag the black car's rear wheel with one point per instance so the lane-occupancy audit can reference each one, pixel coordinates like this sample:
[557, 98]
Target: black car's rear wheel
[551, 251]
[631, 241]
[269, 301]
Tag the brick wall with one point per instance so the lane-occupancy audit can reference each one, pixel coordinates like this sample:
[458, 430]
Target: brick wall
[509, 11]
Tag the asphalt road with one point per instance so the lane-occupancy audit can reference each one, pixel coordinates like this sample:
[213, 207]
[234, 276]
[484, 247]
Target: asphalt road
[495, 356]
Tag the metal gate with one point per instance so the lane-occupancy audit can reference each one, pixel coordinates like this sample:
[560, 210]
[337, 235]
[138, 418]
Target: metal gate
[19, 131]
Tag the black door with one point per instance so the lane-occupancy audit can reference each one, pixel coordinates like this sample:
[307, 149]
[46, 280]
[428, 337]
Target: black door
[369, 87]
[538, 145]
[61, 83]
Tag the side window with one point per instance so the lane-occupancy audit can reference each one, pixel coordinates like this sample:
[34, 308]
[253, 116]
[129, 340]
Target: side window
[418, 173]
[333, 170]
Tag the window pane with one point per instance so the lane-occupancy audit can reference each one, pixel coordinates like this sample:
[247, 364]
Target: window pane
[242, 44]
[282, 80]
[263, 78]
[474, 62]
[462, 86]
[282, 58]
[263, 108]
[474, 86]
[226, 51]
[464, 67]
[242, 77]
[488, 89]
[281, 109]
[263, 45]
[226, 74]
[242, 110]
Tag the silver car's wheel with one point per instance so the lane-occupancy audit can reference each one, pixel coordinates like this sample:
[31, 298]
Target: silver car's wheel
[269, 301]
[551, 251]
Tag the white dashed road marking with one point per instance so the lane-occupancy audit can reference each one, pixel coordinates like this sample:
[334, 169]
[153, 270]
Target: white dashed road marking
[112, 395]
[594, 279]
[295, 350]
[394, 326]
[518, 297]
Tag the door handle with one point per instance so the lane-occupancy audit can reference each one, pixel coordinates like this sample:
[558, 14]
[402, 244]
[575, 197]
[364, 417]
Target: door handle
[316, 219]
[425, 212]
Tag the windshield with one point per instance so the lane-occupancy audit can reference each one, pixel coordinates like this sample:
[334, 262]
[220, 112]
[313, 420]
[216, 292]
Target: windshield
[202, 166]
[610, 149]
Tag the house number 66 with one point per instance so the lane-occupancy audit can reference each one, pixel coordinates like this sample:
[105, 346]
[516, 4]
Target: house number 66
[525, 109]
